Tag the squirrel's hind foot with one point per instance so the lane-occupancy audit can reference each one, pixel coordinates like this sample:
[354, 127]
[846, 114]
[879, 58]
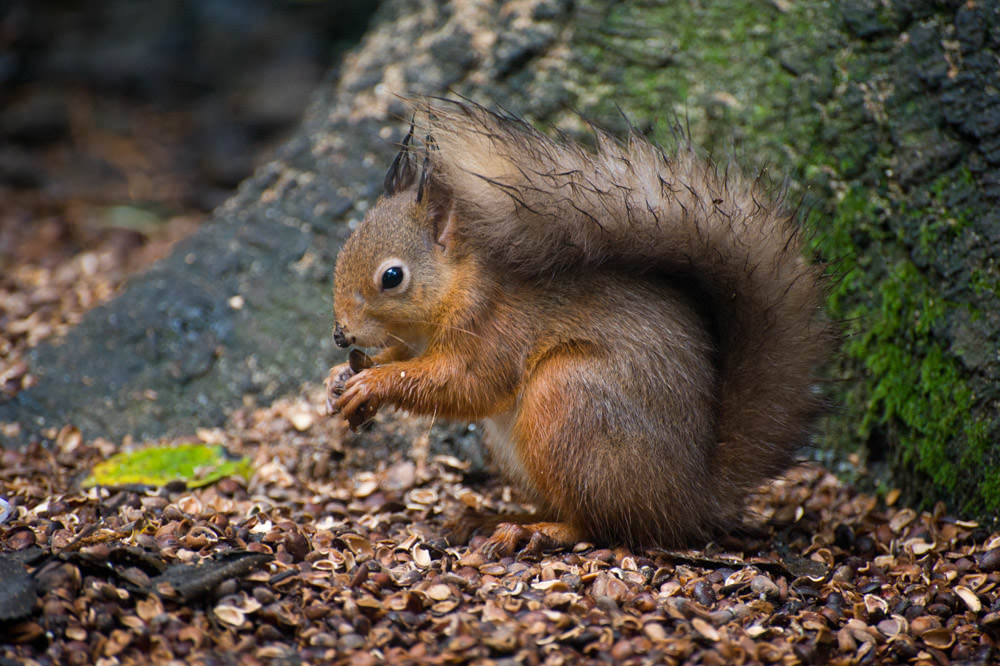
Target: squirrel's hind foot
[537, 537]
[461, 528]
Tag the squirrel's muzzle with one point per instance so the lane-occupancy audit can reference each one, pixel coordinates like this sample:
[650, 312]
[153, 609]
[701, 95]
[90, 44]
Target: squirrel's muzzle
[339, 337]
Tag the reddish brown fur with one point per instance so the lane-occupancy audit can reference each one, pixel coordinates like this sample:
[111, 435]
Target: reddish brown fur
[639, 332]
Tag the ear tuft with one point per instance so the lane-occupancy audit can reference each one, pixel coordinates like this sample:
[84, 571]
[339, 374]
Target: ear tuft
[429, 145]
[402, 172]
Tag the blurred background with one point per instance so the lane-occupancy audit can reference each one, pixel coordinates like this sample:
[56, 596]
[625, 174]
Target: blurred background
[130, 120]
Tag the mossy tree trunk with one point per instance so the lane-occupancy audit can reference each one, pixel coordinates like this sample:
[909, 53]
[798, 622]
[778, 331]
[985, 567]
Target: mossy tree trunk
[914, 224]
[884, 115]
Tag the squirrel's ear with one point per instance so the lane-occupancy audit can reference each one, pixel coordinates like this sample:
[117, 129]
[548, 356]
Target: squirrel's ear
[440, 213]
[402, 172]
[436, 196]
[444, 227]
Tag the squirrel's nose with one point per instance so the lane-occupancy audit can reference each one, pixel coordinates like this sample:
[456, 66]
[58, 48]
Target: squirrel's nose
[339, 337]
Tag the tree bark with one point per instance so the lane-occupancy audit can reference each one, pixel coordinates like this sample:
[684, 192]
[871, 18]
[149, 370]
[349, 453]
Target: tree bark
[913, 148]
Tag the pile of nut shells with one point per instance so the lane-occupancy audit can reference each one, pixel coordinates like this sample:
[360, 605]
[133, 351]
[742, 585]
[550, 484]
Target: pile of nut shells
[336, 551]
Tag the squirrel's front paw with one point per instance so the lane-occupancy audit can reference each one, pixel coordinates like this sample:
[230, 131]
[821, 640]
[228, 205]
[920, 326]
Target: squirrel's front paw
[336, 381]
[335, 384]
[358, 403]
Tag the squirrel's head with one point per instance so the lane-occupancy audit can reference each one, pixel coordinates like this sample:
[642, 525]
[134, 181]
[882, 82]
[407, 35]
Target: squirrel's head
[395, 268]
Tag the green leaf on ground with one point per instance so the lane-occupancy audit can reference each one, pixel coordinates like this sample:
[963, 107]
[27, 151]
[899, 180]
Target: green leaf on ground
[195, 464]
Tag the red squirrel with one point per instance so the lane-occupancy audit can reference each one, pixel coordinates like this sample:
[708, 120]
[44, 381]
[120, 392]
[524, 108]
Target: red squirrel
[638, 331]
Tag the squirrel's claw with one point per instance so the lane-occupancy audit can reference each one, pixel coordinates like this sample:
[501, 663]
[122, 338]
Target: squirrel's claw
[335, 384]
[504, 540]
[538, 537]
[358, 402]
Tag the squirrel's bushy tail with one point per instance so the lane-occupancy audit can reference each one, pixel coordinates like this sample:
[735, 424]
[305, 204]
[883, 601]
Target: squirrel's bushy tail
[540, 206]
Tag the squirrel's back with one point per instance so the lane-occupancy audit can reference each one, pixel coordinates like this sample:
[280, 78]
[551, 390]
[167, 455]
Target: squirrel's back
[538, 208]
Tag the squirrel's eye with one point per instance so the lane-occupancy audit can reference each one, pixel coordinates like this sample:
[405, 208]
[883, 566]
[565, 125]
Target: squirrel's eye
[392, 277]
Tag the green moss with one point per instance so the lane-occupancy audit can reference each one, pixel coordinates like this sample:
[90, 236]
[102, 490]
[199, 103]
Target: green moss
[984, 282]
[726, 70]
[911, 388]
